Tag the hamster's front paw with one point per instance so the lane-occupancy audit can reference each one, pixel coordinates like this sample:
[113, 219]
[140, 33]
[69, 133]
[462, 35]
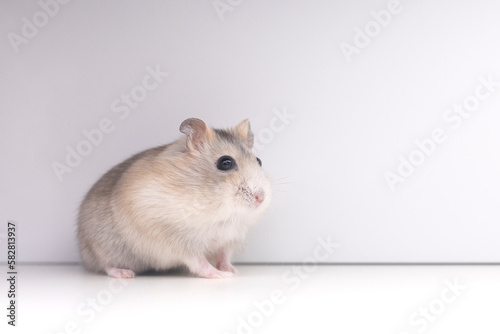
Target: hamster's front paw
[226, 267]
[223, 261]
[120, 273]
[201, 267]
[218, 274]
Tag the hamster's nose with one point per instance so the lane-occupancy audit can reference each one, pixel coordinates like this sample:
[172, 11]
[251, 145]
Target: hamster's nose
[259, 196]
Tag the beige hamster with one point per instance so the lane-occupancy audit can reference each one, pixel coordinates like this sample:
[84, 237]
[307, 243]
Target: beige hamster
[189, 203]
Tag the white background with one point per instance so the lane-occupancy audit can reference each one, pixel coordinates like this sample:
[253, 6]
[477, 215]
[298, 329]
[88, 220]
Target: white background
[352, 119]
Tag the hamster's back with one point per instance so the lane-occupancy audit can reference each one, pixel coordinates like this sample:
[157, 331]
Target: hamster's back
[97, 230]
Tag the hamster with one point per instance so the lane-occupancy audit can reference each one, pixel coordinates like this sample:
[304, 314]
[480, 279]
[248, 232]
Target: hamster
[189, 203]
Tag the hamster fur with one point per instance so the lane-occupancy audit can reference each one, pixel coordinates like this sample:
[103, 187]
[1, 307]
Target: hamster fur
[173, 206]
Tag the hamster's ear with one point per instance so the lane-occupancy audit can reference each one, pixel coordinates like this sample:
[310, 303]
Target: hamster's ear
[197, 133]
[243, 131]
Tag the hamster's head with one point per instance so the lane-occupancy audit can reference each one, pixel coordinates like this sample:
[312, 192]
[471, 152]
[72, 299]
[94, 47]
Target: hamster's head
[223, 168]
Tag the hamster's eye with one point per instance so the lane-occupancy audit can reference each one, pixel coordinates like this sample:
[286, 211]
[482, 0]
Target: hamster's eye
[259, 161]
[226, 163]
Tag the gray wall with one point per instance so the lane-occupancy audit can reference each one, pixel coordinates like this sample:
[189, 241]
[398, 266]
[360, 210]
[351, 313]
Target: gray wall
[361, 82]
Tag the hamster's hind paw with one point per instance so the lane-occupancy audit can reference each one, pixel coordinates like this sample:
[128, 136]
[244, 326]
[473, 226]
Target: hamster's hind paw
[120, 273]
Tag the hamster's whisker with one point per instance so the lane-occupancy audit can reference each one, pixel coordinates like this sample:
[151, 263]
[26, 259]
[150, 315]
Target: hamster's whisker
[281, 177]
[280, 183]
